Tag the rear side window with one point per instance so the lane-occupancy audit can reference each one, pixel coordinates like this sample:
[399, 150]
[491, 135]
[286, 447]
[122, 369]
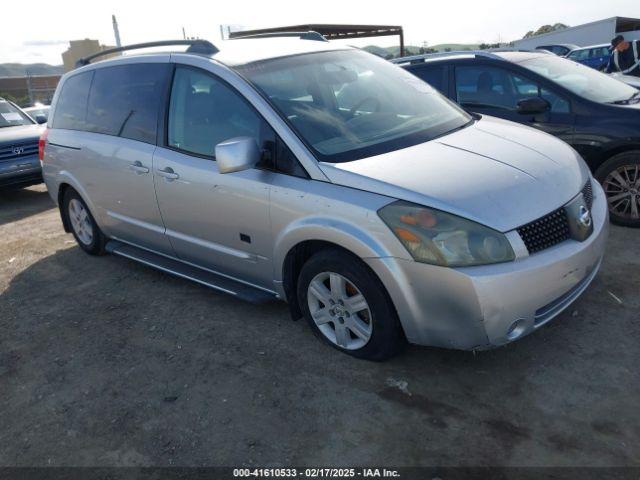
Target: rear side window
[125, 100]
[71, 107]
[434, 76]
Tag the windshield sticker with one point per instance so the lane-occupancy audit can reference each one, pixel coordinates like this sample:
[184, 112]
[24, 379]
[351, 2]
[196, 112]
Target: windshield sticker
[12, 117]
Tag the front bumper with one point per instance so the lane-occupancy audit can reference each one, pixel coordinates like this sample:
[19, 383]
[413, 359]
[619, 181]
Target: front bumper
[19, 172]
[476, 307]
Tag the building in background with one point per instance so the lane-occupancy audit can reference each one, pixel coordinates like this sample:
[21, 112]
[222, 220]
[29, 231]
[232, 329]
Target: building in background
[30, 89]
[81, 48]
[594, 33]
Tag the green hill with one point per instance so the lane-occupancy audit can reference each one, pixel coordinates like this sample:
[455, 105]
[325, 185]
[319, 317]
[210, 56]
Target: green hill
[20, 69]
[455, 46]
[394, 51]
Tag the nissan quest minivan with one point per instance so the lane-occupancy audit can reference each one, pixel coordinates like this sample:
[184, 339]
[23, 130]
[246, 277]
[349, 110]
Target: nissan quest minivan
[378, 217]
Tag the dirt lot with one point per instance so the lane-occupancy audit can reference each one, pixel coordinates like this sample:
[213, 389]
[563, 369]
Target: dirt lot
[107, 362]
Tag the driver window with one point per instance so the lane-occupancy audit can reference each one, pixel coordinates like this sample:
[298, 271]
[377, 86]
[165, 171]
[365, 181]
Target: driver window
[205, 111]
[527, 88]
[491, 87]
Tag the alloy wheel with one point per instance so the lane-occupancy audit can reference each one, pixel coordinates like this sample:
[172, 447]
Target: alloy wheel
[339, 310]
[622, 188]
[80, 221]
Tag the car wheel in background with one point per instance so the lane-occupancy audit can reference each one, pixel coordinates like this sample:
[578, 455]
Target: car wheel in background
[620, 179]
[82, 224]
[347, 306]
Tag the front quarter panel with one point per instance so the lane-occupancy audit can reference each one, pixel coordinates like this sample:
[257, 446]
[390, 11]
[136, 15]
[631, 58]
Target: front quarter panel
[303, 210]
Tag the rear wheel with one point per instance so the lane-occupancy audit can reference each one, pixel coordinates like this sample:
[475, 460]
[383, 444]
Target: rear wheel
[620, 179]
[83, 225]
[347, 306]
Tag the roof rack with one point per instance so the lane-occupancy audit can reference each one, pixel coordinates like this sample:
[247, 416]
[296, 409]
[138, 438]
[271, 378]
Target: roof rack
[310, 35]
[427, 56]
[195, 46]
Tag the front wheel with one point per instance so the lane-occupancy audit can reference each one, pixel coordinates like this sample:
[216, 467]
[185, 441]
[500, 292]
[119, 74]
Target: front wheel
[347, 306]
[620, 179]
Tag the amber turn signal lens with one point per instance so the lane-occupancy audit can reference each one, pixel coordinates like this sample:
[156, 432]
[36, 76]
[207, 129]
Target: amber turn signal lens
[406, 235]
[408, 219]
[426, 219]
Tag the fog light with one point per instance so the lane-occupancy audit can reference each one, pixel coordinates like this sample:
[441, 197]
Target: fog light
[516, 329]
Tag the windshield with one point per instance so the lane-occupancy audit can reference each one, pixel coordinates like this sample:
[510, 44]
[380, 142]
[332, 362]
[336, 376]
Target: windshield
[10, 116]
[349, 104]
[580, 79]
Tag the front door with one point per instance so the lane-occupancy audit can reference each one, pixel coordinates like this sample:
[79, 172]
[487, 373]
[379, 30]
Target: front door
[215, 221]
[496, 91]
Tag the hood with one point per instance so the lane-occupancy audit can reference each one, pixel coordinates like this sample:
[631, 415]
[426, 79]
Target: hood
[498, 173]
[20, 133]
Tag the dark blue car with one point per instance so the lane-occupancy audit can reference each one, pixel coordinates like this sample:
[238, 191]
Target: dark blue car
[595, 56]
[19, 136]
[596, 114]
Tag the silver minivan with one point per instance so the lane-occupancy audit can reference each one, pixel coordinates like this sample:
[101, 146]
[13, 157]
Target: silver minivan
[295, 169]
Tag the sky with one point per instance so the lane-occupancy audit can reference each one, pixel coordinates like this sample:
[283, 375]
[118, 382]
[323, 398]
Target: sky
[45, 36]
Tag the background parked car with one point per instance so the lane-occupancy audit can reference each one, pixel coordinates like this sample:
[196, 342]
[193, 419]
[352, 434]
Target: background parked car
[595, 56]
[40, 113]
[19, 135]
[596, 114]
[560, 49]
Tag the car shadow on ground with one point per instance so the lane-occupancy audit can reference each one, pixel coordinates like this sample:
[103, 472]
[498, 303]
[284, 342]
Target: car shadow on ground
[133, 366]
[16, 204]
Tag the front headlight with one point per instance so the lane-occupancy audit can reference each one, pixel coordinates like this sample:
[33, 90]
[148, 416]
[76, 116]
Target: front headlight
[440, 238]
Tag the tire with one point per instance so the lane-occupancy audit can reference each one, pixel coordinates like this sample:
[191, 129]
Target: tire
[371, 333]
[82, 224]
[626, 167]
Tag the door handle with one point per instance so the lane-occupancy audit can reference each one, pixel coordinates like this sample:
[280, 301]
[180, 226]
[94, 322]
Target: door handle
[168, 173]
[138, 167]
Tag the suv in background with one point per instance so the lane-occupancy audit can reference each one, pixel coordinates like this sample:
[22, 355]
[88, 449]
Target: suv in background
[560, 49]
[39, 112]
[19, 135]
[596, 114]
[379, 214]
[595, 56]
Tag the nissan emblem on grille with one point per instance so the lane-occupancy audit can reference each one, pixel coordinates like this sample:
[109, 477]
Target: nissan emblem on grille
[585, 217]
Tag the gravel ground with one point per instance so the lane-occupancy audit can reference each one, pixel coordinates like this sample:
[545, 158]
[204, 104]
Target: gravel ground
[107, 362]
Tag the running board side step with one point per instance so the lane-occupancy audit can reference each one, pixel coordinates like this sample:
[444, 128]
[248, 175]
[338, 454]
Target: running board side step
[180, 269]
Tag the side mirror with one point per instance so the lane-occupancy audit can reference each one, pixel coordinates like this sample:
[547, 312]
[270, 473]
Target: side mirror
[533, 105]
[40, 119]
[237, 154]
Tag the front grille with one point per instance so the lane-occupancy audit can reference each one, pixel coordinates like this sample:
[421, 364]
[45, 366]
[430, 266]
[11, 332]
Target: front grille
[587, 193]
[546, 231]
[16, 150]
[553, 228]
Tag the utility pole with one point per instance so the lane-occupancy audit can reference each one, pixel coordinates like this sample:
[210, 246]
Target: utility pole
[116, 31]
[184, 35]
[29, 87]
